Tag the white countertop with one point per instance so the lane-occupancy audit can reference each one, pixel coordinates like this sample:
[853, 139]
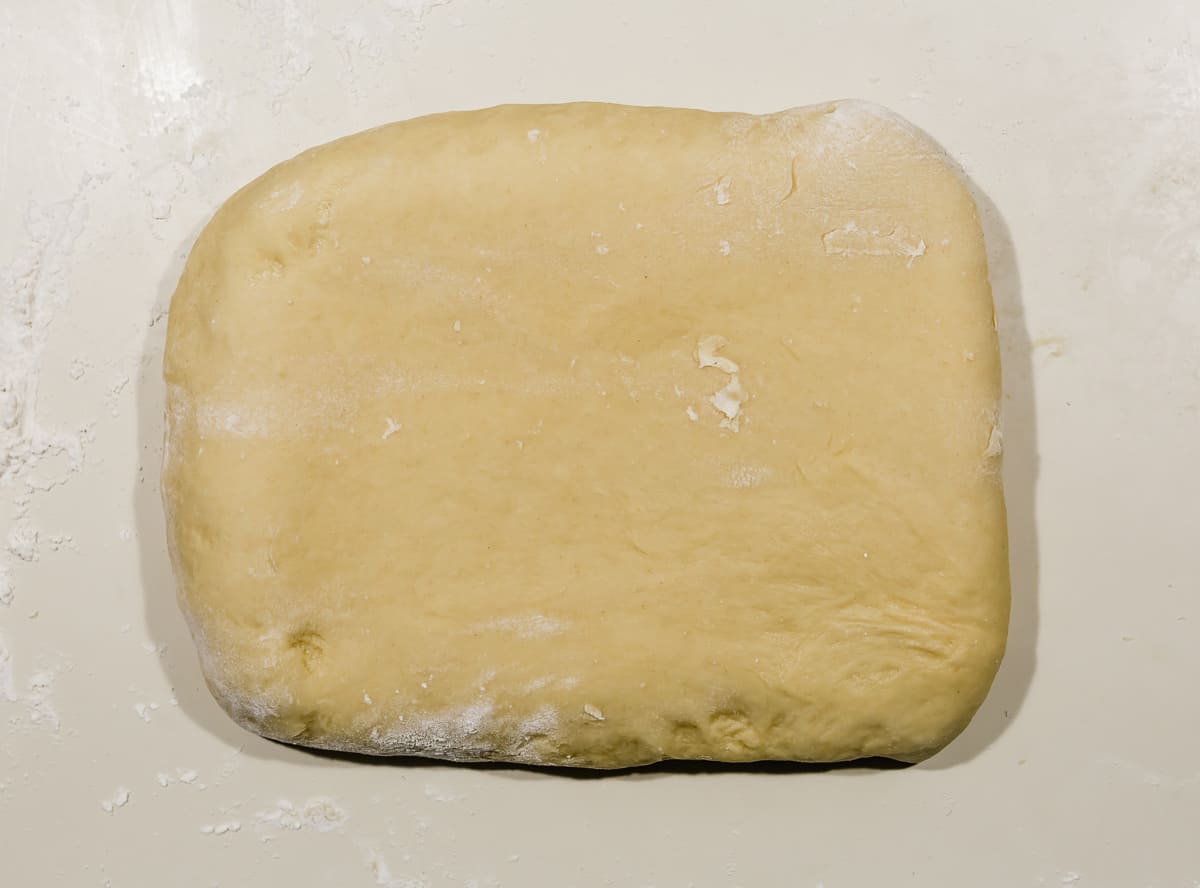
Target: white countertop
[125, 123]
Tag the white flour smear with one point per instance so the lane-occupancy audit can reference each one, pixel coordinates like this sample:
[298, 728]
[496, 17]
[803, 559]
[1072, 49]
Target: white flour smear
[32, 290]
[33, 287]
[8, 687]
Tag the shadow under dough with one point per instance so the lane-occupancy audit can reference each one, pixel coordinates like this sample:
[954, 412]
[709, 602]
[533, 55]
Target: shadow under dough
[667, 768]
[167, 627]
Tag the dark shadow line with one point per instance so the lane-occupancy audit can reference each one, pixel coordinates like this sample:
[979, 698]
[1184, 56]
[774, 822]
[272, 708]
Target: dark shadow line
[656, 769]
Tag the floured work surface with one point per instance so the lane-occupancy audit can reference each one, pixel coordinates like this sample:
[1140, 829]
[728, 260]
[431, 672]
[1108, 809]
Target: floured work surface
[594, 435]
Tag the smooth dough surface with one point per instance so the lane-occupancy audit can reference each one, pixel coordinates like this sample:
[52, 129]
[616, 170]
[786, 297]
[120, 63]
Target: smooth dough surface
[594, 435]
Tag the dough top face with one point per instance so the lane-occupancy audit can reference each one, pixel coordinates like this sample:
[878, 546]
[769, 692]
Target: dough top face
[594, 435]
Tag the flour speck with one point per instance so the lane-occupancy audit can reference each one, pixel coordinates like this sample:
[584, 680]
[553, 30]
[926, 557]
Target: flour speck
[721, 190]
[318, 814]
[119, 799]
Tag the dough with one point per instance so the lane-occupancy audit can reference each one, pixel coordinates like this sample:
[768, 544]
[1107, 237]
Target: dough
[594, 435]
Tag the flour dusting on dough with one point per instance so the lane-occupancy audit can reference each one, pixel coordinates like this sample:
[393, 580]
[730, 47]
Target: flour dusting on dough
[471, 733]
[852, 123]
[748, 476]
[995, 445]
[442, 732]
[528, 626]
[721, 190]
[850, 240]
[233, 420]
[706, 354]
[282, 199]
[729, 399]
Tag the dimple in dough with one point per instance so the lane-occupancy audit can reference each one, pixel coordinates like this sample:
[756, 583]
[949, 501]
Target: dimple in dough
[594, 435]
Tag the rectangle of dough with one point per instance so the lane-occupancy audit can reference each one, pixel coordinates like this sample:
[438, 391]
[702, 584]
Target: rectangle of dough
[594, 435]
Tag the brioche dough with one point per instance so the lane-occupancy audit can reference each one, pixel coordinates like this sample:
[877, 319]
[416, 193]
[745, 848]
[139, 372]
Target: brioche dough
[594, 435]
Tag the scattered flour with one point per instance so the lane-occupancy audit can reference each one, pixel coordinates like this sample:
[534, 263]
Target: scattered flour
[23, 542]
[747, 476]
[8, 687]
[528, 626]
[181, 775]
[285, 198]
[721, 190]
[59, 541]
[284, 37]
[40, 711]
[850, 240]
[416, 9]
[729, 399]
[372, 34]
[32, 290]
[113, 396]
[317, 814]
[441, 795]
[382, 874]
[706, 354]
[119, 799]
[470, 733]
[995, 444]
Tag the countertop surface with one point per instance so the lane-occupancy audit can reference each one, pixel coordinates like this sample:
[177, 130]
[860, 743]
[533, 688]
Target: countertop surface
[125, 123]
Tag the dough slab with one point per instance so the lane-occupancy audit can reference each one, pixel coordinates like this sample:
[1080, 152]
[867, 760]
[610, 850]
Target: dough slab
[594, 435]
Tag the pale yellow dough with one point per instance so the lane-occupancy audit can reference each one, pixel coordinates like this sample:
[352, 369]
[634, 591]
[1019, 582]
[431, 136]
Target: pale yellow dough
[594, 435]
